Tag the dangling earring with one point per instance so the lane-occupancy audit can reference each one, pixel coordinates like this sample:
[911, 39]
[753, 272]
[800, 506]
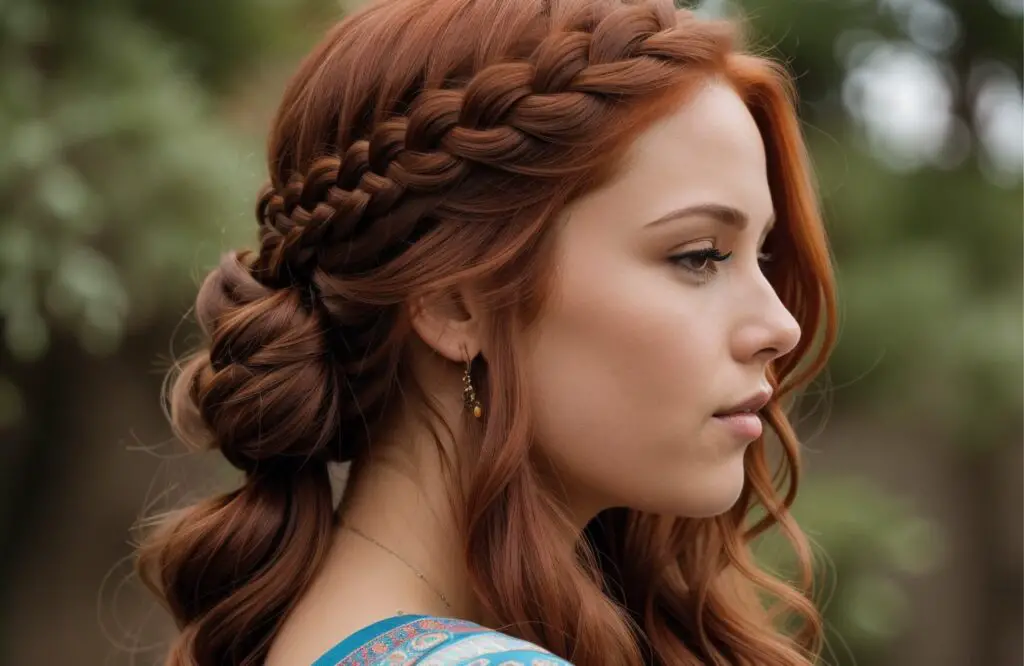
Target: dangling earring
[469, 393]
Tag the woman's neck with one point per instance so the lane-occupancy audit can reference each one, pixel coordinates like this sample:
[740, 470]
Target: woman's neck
[401, 498]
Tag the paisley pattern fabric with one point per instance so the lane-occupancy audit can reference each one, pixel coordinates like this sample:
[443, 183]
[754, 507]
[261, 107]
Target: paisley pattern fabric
[408, 640]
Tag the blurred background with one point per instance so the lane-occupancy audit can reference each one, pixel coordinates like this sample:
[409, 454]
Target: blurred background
[131, 148]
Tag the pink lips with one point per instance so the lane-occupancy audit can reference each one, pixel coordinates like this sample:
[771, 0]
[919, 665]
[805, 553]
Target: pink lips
[742, 419]
[745, 426]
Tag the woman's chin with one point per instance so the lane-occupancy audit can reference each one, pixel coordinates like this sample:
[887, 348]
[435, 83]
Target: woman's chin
[712, 495]
[713, 506]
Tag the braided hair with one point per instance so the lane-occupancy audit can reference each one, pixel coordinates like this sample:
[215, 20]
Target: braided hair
[421, 144]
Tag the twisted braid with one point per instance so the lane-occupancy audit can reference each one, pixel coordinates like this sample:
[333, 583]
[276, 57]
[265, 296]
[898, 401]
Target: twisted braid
[506, 117]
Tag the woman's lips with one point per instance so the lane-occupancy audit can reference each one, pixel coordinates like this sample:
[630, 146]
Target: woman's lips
[745, 425]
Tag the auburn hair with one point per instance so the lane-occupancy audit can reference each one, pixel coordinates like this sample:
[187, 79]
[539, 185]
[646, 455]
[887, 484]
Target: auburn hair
[424, 144]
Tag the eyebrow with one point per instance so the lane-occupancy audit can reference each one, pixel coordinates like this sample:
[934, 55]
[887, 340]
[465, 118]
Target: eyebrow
[728, 215]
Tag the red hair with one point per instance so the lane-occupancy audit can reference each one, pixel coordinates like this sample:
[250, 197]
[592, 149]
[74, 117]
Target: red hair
[427, 143]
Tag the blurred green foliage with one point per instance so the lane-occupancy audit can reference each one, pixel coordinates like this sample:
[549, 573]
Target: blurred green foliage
[121, 174]
[866, 543]
[126, 168]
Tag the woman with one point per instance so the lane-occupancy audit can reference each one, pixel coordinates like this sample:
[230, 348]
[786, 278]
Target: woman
[540, 270]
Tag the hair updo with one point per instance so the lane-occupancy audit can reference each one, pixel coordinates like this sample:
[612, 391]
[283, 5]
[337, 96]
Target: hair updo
[423, 144]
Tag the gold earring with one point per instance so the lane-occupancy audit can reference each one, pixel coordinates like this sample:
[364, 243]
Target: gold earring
[469, 393]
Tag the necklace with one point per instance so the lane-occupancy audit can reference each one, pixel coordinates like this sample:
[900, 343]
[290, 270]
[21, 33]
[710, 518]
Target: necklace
[419, 574]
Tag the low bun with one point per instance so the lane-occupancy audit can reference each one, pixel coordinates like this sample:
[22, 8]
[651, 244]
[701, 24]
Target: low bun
[268, 390]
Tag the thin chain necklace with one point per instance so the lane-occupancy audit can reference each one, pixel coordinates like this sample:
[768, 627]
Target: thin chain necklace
[419, 574]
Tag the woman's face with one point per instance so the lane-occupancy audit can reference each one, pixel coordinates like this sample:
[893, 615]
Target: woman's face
[647, 341]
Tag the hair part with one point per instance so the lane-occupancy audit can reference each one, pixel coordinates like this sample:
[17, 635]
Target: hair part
[449, 164]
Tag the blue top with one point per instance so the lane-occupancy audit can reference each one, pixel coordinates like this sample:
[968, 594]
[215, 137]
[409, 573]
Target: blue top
[422, 640]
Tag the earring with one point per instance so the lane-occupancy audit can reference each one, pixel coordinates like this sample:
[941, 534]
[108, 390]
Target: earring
[469, 393]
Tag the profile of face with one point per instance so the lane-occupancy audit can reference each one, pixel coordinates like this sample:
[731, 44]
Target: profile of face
[660, 322]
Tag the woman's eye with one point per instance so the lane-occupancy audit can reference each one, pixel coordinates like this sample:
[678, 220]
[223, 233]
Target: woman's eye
[701, 262]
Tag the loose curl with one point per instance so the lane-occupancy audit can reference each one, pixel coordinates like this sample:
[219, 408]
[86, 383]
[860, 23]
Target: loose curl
[424, 144]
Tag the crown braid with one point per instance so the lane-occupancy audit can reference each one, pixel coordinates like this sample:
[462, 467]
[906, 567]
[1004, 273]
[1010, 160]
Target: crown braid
[505, 117]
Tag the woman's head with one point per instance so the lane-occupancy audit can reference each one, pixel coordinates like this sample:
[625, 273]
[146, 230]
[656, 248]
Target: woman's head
[576, 194]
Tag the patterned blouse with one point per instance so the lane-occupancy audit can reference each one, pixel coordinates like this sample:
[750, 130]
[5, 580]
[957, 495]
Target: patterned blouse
[408, 640]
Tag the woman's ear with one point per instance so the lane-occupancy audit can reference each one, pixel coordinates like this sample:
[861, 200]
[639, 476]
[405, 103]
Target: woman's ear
[448, 322]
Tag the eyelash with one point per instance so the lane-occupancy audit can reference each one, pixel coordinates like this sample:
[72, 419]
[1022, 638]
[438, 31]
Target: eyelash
[709, 256]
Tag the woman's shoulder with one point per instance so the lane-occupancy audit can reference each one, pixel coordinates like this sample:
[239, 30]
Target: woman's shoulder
[435, 641]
